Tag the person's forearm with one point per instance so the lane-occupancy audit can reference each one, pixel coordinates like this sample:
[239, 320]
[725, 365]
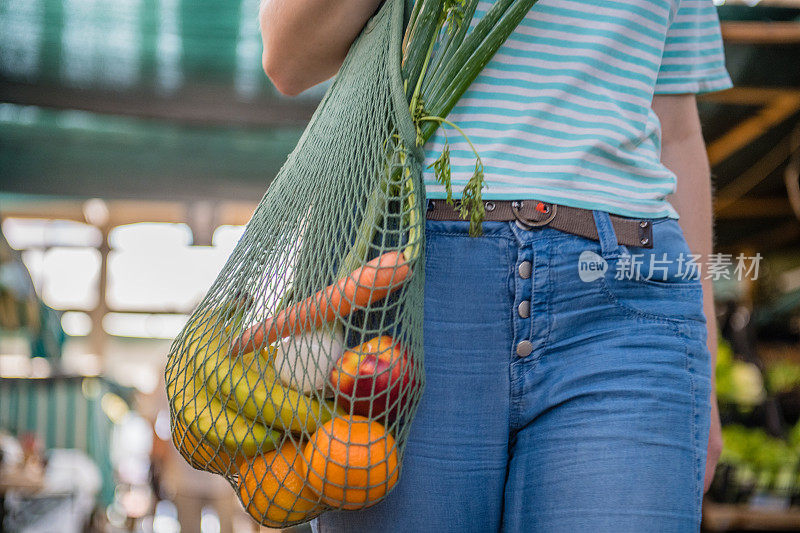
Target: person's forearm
[305, 41]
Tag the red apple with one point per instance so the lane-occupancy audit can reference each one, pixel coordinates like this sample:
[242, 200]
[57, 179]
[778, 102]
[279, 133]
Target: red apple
[370, 379]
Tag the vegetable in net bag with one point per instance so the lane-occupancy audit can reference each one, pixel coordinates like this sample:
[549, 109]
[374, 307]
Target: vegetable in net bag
[298, 375]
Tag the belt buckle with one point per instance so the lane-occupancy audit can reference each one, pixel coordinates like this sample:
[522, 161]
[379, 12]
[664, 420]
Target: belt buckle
[524, 223]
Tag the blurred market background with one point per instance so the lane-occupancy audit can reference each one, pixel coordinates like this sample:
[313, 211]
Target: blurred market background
[136, 137]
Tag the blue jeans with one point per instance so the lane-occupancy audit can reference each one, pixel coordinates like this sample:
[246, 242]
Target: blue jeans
[601, 427]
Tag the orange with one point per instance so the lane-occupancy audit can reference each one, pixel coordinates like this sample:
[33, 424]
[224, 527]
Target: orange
[351, 462]
[273, 487]
[197, 452]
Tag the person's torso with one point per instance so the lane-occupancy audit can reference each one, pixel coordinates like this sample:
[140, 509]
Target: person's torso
[563, 113]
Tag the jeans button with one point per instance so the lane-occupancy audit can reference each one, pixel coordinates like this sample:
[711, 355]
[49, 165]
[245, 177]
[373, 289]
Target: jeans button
[524, 348]
[524, 309]
[524, 269]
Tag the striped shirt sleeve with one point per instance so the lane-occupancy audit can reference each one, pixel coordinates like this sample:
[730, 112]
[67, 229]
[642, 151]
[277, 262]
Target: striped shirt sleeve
[693, 60]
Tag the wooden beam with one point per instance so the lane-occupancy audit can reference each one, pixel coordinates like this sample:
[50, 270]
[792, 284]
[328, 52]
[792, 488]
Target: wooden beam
[98, 338]
[735, 189]
[725, 517]
[748, 96]
[126, 211]
[778, 110]
[773, 238]
[235, 213]
[752, 208]
[194, 106]
[761, 32]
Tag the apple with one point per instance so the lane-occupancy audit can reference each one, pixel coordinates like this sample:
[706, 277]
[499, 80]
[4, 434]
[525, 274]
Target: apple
[370, 379]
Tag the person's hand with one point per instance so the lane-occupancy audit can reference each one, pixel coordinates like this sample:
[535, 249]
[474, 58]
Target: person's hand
[714, 443]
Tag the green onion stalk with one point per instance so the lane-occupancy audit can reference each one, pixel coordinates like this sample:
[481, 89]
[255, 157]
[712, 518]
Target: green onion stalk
[436, 79]
[441, 57]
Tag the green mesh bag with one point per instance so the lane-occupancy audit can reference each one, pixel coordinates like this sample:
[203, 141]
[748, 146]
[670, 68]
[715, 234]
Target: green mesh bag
[318, 312]
[298, 375]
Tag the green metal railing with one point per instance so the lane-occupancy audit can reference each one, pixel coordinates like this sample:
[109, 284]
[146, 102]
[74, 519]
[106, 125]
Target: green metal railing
[63, 412]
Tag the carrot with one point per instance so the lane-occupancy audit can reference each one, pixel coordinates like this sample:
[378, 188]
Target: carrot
[365, 285]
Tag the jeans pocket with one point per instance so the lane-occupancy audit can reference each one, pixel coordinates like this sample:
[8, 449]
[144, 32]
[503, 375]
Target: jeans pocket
[660, 283]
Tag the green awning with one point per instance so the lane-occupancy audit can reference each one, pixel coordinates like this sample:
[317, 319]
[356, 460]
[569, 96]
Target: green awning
[76, 153]
[192, 60]
[156, 46]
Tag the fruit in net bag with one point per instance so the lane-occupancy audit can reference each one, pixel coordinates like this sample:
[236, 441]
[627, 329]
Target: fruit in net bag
[198, 453]
[373, 379]
[351, 462]
[273, 488]
[298, 361]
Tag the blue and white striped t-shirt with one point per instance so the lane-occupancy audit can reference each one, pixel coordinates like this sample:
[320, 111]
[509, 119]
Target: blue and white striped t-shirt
[563, 113]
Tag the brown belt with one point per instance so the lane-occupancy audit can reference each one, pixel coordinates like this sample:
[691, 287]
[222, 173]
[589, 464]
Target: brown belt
[529, 214]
